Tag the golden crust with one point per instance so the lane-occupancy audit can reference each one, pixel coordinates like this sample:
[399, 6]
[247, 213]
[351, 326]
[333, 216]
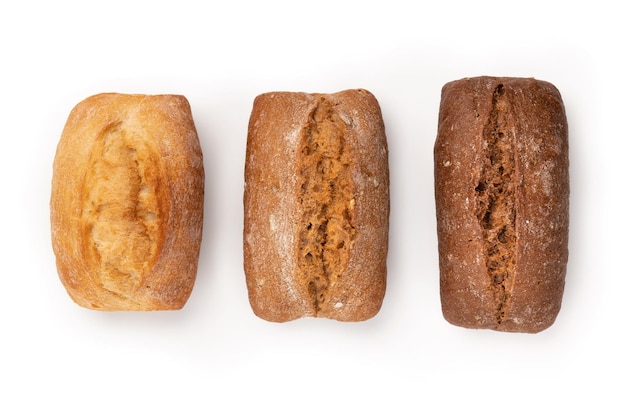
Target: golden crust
[127, 200]
[502, 194]
[316, 206]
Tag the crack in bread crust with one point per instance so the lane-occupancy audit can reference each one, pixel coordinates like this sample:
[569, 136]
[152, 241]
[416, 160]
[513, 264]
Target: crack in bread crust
[495, 194]
[327, 200]
[121, 211]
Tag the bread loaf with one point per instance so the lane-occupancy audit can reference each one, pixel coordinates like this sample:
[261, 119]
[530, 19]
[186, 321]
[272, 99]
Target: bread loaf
[316, 206]
[502, 196]
[127, 202]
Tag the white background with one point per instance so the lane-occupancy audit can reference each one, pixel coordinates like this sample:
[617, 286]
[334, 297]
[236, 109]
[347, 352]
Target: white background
[215, 357]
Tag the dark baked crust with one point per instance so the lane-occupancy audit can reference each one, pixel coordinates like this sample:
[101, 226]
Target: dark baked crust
[316, 206]
[502, 199]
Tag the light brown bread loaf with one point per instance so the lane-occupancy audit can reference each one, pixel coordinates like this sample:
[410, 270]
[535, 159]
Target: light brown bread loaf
[502, 196]
[127, 202]
[316, 206]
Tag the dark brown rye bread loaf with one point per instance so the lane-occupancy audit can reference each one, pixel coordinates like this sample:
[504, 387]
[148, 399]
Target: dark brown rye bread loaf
[502, 201]
[316, 206]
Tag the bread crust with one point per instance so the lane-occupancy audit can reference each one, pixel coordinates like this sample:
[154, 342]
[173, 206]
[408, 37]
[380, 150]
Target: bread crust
[502, 200]
[127, 199]
[296, 225]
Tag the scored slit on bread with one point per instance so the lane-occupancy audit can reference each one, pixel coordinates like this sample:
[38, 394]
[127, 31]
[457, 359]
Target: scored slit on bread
[496, 195]
[327, 199]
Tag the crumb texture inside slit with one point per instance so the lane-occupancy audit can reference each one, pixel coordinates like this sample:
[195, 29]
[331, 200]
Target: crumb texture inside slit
[327, 198]
[495, 193]
[120, 210]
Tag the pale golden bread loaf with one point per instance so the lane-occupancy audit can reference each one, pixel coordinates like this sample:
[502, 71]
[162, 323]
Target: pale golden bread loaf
[316, 206]
[127, 202]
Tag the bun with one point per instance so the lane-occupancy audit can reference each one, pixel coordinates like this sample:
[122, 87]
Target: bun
[127, 201]
[502, 200]
[316, 206]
